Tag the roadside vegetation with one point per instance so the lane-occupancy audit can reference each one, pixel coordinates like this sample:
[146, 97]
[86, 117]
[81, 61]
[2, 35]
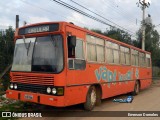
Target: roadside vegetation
[8, 105]
[6, 53]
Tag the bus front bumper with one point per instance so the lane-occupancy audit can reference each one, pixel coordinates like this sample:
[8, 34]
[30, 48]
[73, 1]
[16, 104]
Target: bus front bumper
[57, 101]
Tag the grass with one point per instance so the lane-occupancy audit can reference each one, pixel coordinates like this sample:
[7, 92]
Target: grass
[11, 108]
[15, 107]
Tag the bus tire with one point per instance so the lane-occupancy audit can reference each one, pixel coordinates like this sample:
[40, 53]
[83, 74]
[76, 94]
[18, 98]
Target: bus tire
[90, 99]
[136, 88]
[99, 95]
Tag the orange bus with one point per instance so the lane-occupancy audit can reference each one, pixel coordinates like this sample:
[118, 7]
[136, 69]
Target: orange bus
[61, 64]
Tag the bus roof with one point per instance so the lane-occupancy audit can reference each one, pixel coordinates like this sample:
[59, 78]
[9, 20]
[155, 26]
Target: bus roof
[89, 32]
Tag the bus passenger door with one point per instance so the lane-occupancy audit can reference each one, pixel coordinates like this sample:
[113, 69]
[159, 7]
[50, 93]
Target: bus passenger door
[76, 70]
[76, 62]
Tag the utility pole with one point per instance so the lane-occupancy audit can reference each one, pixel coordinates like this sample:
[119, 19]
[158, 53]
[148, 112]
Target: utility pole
[143, 6]
[17, 21]
[143, 25]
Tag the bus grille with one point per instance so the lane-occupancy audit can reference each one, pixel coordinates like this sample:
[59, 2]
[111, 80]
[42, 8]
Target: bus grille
[32, 88]
[33, 79]
[32, 83]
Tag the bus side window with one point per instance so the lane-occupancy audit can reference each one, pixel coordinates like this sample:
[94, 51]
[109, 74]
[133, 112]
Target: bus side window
[76, 56]
[112, 53]
[79, 53]
[125, 55]
[91, 48]
[142, 59]
[135, 55]
[148, 60]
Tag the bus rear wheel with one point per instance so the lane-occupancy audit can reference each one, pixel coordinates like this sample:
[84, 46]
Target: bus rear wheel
[90, 99]
[136, 88]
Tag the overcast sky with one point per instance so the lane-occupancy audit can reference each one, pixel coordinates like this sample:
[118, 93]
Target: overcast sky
[125, 13]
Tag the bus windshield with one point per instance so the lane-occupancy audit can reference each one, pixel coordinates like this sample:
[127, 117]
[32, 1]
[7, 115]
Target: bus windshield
[38, 54]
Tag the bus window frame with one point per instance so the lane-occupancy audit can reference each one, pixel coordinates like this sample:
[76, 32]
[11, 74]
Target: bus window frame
[144, 66]
[84, 55]
[149, 60]
[113, 52]
[91, 43]
[134, 54]
[130, 64]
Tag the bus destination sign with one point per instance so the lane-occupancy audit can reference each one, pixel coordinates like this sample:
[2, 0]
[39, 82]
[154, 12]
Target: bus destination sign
[39, 29]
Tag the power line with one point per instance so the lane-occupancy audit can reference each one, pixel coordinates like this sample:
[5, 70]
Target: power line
[98, 11]
[51, 12]
[119, 11]
[81, 12]
[113, 8]
[116, 10]
[99, 15]
[124, 13]
[122, 10]
[86, 14]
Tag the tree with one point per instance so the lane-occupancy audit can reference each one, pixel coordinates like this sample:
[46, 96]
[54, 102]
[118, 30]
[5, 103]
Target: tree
[97, 31]
[151, 43]
[6, 47]
[116, 34]
[6, 52]
[119, 35]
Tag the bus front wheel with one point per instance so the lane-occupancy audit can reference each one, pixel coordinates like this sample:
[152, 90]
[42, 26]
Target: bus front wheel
[90, 99]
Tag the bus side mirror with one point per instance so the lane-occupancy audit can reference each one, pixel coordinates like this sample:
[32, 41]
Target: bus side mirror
[71, 41]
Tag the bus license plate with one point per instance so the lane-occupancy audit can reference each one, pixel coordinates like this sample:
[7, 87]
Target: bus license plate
[28, 97]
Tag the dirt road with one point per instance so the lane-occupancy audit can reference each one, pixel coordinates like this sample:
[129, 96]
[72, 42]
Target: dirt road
[147, 100]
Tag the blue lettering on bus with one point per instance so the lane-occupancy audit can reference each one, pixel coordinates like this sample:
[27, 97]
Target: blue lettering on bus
[137, 73]
[98, 74]
[104, 74]
[108, 76]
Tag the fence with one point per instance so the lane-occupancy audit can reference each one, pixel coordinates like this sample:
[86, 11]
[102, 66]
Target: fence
[155, 71]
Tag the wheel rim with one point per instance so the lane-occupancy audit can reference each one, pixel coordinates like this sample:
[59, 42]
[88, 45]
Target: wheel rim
[93, 97]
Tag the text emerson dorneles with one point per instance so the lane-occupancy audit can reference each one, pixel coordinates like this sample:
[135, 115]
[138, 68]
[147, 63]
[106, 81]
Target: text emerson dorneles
[143, 114]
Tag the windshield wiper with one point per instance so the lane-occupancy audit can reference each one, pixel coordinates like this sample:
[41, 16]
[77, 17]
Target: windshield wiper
[27, 48]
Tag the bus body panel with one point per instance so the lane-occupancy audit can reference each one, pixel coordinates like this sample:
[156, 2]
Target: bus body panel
[75, 94]
[37, 98]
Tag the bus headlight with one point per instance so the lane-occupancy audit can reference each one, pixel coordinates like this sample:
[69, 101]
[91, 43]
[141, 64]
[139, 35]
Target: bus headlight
[57, 91]
[48, 90]
[54, 91]
[11, 85]
[15, 86]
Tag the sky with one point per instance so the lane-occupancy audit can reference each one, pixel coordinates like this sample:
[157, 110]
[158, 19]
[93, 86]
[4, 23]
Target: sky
[123, 13]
